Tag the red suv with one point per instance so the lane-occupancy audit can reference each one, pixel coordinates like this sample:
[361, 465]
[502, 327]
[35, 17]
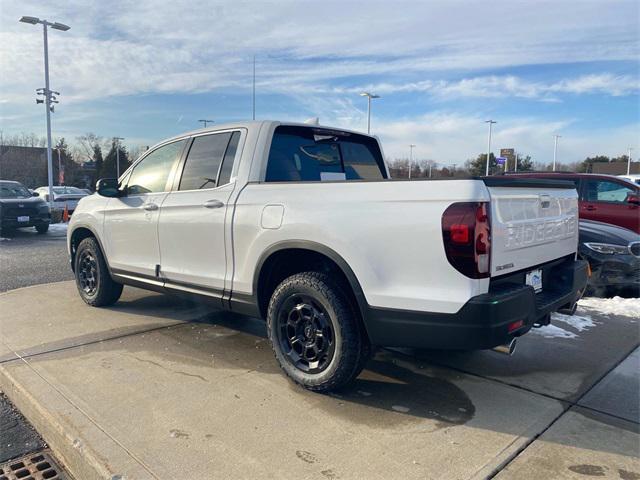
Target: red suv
[603, 198]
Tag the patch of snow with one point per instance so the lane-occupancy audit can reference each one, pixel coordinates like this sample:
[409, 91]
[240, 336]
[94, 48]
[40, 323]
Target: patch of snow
[551, 331]
[576, 321]
[58, 226]
[2, 239]
[626, 307]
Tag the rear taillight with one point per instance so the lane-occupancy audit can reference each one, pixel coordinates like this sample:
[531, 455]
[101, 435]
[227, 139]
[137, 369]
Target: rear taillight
[467, 238]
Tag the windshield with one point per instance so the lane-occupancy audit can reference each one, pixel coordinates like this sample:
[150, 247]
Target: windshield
[13, 190]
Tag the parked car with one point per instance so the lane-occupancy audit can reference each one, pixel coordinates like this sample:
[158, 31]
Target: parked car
[302, 226]
[613, 254]
[19, 208]
[63, 196]
[602, 198]
[633, 178]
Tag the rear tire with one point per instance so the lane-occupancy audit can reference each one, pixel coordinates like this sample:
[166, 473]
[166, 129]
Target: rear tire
[95, 285]
[315, 332]
[41, 229]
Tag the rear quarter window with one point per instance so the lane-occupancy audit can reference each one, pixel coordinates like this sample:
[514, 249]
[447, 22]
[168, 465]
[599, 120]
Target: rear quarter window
[307, 154]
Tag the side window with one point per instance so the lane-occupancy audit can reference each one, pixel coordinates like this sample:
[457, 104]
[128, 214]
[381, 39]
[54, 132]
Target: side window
[151, 174]
[314, 154]
[203, 161]
[607, 191]
[229, 156]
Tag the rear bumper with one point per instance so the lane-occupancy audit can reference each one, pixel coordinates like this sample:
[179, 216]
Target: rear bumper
[483, 322]
[13, 223]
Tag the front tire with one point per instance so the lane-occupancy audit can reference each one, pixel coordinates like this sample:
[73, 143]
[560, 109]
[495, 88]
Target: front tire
[95, 285]
[315, 332]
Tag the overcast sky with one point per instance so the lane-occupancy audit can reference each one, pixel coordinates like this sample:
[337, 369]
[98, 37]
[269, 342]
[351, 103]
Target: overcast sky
[145, 70]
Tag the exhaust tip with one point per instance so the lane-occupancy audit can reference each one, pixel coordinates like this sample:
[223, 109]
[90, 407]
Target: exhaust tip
[507, 348]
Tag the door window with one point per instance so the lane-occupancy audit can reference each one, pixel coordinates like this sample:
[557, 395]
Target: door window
[607, 191]
[151, 174]
[203, 161]
[229, 156]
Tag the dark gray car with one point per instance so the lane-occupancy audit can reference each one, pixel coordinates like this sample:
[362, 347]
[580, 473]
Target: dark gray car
[613, 254]
[19, 208]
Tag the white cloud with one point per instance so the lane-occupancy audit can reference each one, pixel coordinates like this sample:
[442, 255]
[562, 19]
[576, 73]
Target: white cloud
[130, 47]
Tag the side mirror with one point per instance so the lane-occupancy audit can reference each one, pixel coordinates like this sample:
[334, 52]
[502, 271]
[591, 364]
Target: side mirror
[633, 198]
[108, 187]
[35, 194]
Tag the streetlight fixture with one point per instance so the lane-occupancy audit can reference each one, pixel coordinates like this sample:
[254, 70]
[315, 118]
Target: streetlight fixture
[205, 122]
[629, 161]
[48, 97]
[116, 141]
[490, 122]
[411, 147]
[555, 150]
[369, 97]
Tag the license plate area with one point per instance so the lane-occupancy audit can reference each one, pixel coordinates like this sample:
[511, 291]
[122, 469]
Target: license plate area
[534, 278]
[23, 218]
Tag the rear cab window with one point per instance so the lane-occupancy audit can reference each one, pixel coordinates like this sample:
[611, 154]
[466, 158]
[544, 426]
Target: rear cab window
[310, 154]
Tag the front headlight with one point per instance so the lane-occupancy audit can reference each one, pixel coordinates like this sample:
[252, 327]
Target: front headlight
[608, 249]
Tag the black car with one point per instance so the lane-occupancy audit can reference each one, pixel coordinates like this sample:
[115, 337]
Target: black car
[19, 208]
[613, 254]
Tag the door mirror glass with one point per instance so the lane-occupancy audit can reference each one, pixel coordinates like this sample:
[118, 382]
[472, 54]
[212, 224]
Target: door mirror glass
[107, 187]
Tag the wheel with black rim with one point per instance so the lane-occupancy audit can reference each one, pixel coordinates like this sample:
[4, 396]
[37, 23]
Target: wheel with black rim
[315, 332]
[95, 285]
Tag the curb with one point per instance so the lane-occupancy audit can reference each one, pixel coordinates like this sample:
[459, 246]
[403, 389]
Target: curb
[75, 442]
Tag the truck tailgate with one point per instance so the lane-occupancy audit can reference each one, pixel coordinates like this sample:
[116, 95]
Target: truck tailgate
[532, 222]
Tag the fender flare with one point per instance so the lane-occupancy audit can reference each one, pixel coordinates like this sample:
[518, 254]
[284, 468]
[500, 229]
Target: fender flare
[342, 264]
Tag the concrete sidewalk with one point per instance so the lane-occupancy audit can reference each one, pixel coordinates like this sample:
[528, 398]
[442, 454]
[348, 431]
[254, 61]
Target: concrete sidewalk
[157, 388]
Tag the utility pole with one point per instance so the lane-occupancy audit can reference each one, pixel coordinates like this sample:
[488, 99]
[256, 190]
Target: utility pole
[47, 91]
[59, 167]
[490, 122]
[254, 87]
[205, 122]
[555, 150]
[629, 161]
[116, 142]
[411, 147]
[369, 97]
[515, 155]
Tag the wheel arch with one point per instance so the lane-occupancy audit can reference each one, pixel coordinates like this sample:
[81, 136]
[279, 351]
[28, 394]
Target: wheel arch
[301, 255]
[78, 234]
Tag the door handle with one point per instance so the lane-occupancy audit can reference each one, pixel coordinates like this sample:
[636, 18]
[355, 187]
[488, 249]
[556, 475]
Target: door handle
[590, 208]
[213, 204]
[150, 207]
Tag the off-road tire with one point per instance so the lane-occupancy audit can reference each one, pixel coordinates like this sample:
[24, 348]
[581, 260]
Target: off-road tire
[106, 291]
[351, 347]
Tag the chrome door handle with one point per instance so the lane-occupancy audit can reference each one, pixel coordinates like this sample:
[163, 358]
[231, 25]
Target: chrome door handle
[150, 206]
[213, 204]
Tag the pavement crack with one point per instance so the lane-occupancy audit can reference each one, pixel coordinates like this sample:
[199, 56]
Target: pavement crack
[164, 367]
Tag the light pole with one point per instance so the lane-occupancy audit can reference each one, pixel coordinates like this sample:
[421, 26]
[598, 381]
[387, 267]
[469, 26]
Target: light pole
[629, 161]
[116, 142]
[490, 122]
[555, 150]
[47, 92]
[254, 87]
[204, 122]
[411, 147]
[515, 154]
[369, 97]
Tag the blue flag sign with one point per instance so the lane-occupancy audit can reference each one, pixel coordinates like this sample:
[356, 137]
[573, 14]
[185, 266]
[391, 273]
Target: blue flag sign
[501, 160]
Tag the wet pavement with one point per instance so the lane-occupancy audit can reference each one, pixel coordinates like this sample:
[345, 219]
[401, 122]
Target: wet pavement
[158, 388]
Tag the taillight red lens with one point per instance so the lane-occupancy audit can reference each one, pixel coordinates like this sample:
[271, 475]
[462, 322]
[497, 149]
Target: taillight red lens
[467, 237]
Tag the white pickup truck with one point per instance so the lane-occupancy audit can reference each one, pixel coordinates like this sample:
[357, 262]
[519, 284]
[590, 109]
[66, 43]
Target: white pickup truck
[302, 226]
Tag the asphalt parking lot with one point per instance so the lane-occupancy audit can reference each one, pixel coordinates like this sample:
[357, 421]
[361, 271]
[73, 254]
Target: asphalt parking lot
[27, 258]
[155, 387]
